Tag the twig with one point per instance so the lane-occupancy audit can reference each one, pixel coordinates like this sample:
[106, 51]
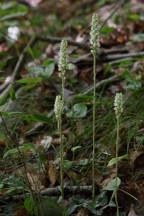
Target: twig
[115, 62]
[58, 40]
[102, 55]
[79, 45]
[17, 67]
[116, 57]
[101, 83]
[114, 51]
[112, 13]
[56, 192]
[4, 85]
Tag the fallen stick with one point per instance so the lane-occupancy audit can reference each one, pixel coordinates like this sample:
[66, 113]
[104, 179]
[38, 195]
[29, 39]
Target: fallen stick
[101, 83]
[58, 40]
[112, 13]
[68, 190]
[16, 69]
[123, 56]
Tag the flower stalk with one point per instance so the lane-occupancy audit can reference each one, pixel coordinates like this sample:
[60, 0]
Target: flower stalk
[94, 40]
[59, 106]
[58, 109]
[118, 107]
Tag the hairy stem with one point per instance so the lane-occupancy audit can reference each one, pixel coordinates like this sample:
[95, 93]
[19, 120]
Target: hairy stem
[61, 156]
[117, 142]
[63, 83]
[94, 117]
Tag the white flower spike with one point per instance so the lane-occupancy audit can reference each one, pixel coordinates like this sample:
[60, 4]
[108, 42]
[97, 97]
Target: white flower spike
[58, 107]
[62, 66]
[118, 104]
[94, 34]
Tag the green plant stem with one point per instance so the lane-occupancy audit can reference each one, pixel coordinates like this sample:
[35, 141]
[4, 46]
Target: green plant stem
[63, 83]
[117, 143]
[61, 156]
[94, 117]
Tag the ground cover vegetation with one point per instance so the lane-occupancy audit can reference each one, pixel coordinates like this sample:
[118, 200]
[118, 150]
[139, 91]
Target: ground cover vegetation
[71, 108]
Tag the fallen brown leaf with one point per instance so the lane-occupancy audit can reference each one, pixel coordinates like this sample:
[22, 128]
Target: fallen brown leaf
[82, 212]
[132, 211]
[52, 174]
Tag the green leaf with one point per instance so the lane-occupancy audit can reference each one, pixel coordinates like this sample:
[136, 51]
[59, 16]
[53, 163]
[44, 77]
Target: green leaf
[29, 205]
[134, 16]
[3, 99]
[30, 80]
[37, 118]
[13, 189]
[49, 70]
[68, 164]
[12, 94]
[30, 86]
[75, 55]
[41, 72]
[84, 162]
[12, 10]
[138, 37]
[134, 84]
[12, 151]
[50, 207]
[83, 97]
[107, 69]
[77, 111]
[112, 185]
[73, 149]
[11, 114]
[36, 70]
[114, 160]
[107, 29]
[34, 52]
[27, 146]
[47, 62]
[125, 63]
[2, 65]
[99, 201]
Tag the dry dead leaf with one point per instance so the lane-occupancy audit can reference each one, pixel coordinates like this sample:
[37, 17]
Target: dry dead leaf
[43, 142]
[56, 141]
[52, 174]
[3, 47]
[82, 212]
[2, 143]
[35, 182]
[32, 175]
[33, 3]
[22, 212]
[134, 155]
[109, 178]
[132, 211]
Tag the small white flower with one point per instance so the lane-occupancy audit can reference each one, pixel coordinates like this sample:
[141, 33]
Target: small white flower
[13, 33]
[94, 34]
[58, 107]
[118, 104]
[62, 66]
